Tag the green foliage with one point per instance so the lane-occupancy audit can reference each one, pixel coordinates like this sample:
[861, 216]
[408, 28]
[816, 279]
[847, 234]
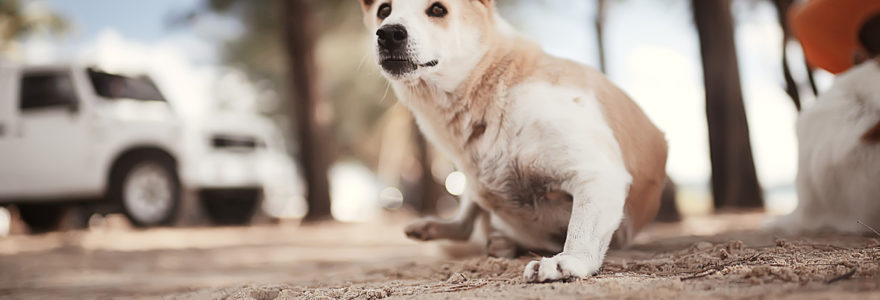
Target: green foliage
[347, 76]
[17, 22]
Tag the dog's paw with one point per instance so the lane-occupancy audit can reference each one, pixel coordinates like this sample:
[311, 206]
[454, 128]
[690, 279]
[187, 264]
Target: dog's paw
[777, 224]
[786, 225]
[433, 229]
[500, 246]
[422, 230]
[558, 268]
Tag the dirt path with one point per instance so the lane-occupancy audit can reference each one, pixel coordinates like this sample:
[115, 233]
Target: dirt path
[375, 262]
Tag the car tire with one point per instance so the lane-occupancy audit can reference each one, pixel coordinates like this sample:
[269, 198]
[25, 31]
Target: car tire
[41, 218]
[230, 207]
[146, 185]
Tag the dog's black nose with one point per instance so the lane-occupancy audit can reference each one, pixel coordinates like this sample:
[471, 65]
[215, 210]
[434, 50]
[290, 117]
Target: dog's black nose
[392, 37]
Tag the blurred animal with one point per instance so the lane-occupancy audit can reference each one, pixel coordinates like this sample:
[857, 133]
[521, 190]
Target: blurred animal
[557, 158]
[839, 157]
[838, 180]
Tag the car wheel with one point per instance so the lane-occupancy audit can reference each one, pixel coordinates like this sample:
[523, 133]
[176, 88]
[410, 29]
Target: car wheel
[147, 187]
[41, 218]
[230, 207]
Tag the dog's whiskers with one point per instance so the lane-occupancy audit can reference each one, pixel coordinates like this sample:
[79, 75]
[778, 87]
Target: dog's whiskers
[387, 88]
[363, 61]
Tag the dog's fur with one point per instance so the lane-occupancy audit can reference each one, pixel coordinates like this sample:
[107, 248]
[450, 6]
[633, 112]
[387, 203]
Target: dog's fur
[839, 150]
[557, 158]
[839, 157]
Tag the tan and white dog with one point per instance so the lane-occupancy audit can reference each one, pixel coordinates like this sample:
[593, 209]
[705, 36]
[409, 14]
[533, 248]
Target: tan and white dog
[556, 156]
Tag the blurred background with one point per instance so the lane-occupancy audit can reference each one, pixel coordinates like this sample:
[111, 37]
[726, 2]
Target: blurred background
[230, 112]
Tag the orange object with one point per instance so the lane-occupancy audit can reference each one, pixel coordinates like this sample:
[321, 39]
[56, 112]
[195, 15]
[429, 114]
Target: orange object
[828, 30]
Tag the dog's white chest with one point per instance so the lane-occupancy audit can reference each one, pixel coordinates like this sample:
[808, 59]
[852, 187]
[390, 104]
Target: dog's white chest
[512, 177]
[531, 145]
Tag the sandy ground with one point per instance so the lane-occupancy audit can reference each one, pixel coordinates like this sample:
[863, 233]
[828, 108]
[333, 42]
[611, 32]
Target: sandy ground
[710, 257]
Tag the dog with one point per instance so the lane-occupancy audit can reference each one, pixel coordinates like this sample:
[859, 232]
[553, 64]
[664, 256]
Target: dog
[839, 150]
[557, 158]
[839, 157]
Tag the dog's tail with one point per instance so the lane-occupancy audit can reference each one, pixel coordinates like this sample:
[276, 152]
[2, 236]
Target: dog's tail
[668, 208]
[667, 213]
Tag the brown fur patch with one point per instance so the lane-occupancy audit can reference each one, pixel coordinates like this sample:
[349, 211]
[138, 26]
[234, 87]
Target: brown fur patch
[644, 152]
[873, 134]
[478, 130]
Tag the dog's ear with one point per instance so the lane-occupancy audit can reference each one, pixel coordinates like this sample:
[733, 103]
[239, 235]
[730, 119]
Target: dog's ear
[873, 134]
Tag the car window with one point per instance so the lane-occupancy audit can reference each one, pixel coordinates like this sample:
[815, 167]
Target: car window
[46, 90]
[236, 142]
[112, 86]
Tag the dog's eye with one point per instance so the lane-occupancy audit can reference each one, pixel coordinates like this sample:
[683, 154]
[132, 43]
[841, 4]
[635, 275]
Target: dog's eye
[437, 10]
[384, 11]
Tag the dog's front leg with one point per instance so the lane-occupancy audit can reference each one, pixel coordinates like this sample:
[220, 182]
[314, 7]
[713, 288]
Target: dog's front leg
[597, 209]
[459, 228]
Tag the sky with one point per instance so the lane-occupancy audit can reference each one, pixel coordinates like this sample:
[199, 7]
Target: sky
[652, 53]
[145, 21]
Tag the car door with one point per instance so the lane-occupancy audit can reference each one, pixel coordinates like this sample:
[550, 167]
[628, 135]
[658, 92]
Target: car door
[8, 121]
[50, 143]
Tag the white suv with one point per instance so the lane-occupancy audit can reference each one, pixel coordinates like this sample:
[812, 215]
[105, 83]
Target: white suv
[230, 151]
[73, 135]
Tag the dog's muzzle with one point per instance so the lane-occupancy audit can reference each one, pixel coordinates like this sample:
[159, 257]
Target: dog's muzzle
[394, 56]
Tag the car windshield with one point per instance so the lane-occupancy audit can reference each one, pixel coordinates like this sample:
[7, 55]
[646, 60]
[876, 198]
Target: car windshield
[114, 86]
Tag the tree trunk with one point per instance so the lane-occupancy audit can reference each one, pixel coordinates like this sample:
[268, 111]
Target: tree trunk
[734, 182]
[313, 134]
[791, 87]
[600, 34]
[668, 212]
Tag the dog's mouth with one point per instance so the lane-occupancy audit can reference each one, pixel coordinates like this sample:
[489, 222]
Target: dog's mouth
[397, 66]
[430, 63]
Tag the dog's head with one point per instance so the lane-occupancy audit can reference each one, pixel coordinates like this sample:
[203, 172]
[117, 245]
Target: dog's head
[419, 38]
